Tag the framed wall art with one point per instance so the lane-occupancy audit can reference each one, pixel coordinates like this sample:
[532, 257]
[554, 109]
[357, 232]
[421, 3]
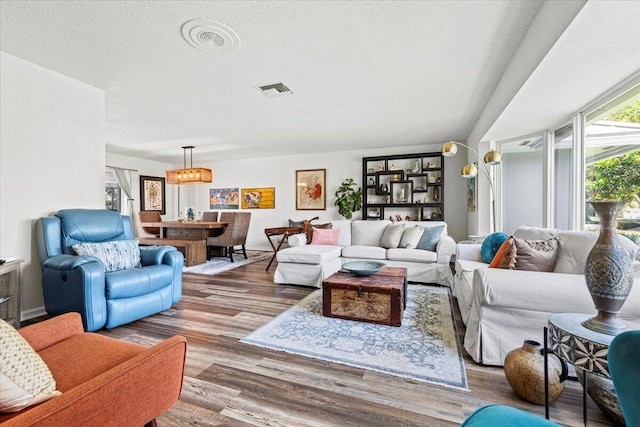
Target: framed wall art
[311, 189]
[471, 194]
[152, 195]
[258, 198]
[224, 198]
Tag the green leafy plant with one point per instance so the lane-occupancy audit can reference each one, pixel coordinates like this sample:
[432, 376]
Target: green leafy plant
[615, 179]
[348, 199]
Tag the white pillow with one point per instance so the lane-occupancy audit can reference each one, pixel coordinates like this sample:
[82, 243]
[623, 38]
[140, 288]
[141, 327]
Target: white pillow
[410, 237]
[115, 255]
[25, 379]
[391, 236]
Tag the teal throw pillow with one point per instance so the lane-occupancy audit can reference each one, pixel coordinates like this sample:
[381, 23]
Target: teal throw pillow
[491, 244]
[430, 237]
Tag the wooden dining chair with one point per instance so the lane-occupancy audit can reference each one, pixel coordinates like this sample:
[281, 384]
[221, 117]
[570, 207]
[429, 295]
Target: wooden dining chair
[151, 216]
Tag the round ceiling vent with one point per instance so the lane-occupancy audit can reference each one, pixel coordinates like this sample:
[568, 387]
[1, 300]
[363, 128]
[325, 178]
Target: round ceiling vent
[210, 36]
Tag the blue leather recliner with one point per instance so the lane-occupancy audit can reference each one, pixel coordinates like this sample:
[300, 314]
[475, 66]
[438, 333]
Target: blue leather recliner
[81, 284]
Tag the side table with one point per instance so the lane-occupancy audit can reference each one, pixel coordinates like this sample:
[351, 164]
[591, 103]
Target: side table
[285, 232]
[585, 349]
[10, 292]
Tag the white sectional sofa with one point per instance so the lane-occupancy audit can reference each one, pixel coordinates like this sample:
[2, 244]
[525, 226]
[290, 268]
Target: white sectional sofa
[309, 264]
[502, 307]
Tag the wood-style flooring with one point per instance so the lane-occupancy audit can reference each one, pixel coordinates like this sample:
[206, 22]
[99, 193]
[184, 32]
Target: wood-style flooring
[232, 384]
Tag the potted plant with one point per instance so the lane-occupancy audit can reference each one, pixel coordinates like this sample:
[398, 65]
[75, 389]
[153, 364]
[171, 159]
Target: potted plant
[348, 199]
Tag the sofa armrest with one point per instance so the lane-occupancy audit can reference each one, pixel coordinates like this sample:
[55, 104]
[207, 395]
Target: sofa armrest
[297, 240]
[51, 331]
[469, 251]
[132, 393]
[445, 248]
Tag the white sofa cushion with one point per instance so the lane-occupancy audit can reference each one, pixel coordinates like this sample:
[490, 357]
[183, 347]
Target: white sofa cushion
[410, 237]
[344, 239]
[415, 255]
[575, 247]
[368, 233]
[309, 254]
[391, 236]
[527, 232]
[365, 252]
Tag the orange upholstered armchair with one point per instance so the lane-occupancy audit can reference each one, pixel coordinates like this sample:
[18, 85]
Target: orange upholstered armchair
[104, 381]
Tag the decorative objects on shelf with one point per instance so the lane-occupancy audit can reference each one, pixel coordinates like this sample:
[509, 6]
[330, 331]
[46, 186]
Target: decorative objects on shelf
[524, 369]
[403, 185]
[188, 175]
[608, 272]
[348, 200]
[470, 170]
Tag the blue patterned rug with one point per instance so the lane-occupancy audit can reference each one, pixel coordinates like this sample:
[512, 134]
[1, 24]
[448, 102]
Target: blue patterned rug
[424, 348]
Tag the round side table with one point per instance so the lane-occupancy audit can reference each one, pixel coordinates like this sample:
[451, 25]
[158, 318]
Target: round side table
[584, 348]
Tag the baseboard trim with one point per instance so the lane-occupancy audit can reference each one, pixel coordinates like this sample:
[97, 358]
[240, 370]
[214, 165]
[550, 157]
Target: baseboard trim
[34, 312]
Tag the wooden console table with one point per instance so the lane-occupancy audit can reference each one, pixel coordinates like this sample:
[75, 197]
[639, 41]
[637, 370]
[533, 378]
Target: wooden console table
[10, 292]
[285, 232]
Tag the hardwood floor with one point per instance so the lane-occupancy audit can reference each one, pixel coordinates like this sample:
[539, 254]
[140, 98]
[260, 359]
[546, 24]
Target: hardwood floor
[233, 384]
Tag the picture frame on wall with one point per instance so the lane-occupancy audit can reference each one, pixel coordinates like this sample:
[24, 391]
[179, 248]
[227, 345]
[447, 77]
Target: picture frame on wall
[258, 198]
[311, 189]
[224, 198]
[152, 194]
[471, 194]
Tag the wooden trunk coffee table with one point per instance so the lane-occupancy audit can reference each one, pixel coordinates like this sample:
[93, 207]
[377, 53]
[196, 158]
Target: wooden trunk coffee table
[380, 298]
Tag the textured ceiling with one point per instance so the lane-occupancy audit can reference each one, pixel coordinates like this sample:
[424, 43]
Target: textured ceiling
[364, 73]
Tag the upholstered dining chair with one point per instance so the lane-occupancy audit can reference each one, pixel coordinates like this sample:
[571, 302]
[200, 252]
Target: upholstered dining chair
[210, 216]
[151, 216]
[624, 367]
[234, 234]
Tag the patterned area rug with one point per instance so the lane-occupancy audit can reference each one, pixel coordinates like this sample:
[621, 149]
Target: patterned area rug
[219, 264]
[424, 348]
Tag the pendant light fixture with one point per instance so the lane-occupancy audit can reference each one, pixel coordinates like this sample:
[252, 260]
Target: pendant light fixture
[189, 175]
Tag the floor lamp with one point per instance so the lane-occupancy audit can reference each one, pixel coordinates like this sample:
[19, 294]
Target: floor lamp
[470, 170]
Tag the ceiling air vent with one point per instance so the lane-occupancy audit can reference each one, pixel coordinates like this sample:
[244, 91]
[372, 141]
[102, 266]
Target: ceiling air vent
[210, 36]
[273, 90]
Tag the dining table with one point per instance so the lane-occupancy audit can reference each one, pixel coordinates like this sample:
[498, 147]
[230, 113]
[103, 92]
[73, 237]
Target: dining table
[190, 230]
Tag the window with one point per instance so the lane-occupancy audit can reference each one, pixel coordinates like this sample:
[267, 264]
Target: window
[563, 172]
[521, 182]
[592, 156]
[612, 159]
[112, 191]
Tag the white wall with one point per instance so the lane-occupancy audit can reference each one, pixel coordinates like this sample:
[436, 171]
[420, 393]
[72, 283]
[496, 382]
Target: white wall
[279, 172]
[52, 157]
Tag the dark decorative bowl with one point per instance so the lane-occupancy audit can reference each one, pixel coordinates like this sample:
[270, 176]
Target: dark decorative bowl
[363, 268]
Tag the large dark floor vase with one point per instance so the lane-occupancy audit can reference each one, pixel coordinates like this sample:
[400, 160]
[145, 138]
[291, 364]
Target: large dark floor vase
[608, 272]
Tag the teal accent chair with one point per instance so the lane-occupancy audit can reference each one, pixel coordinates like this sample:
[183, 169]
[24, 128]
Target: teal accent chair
[624, 367]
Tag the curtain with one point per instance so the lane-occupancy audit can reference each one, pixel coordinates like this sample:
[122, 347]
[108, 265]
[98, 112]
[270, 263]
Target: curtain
[124, 181]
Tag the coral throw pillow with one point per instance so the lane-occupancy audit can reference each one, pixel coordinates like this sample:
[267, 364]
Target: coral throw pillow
[495, 262]
[325, 236]
[25, 379]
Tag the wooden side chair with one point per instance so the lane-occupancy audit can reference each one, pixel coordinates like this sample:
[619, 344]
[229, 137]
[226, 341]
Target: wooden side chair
[152, 216]
[234, 234]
